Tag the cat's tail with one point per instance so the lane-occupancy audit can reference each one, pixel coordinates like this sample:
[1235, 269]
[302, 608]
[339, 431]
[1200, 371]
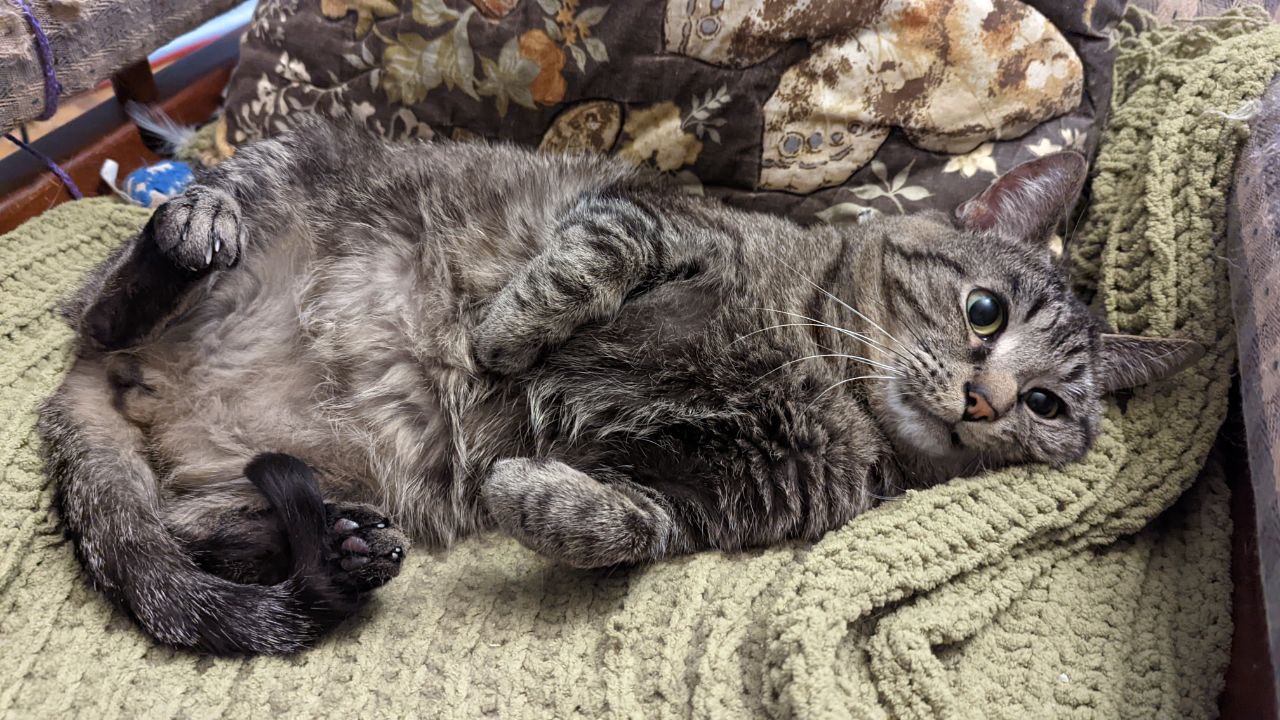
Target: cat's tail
[108, 497]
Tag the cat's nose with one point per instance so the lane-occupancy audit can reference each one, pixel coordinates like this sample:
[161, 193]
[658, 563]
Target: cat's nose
[977, 404]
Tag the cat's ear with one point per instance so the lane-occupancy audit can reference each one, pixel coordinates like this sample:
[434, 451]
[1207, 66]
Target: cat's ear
[1026, 203]
[1131, 360]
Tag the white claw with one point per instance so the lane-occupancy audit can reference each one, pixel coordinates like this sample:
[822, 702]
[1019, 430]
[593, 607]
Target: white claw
[208, 254]
[217, 243]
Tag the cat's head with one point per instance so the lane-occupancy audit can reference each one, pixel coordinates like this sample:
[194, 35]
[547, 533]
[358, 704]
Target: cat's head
[996, 361]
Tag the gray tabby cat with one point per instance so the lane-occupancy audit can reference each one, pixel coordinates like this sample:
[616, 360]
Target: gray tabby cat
[330, 337]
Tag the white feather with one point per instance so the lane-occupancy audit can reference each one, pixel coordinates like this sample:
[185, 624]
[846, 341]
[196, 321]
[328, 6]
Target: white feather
[155, 121]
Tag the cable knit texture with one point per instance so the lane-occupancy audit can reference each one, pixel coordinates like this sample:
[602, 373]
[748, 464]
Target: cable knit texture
[1098, 591]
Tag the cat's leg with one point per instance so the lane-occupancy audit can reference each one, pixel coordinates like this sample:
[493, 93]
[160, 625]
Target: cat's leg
[363, 549]
[186, 238]
[604, 250]
[275, 525]
[573, 518]
[255, 196]
[250, 199]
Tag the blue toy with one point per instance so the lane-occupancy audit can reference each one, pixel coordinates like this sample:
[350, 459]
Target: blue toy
[151, 185]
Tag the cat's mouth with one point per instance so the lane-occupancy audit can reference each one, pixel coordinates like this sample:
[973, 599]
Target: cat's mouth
[916, 424]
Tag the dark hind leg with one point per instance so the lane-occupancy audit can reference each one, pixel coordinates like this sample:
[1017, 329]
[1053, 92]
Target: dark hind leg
[187, 237]
[364, 550]
[351, 546]
[249, 199]
[243, 545]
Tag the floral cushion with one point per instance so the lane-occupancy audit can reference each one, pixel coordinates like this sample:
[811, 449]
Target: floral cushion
[827, 109]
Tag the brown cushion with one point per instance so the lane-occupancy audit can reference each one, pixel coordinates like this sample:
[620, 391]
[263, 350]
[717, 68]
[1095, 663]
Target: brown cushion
[823, 109]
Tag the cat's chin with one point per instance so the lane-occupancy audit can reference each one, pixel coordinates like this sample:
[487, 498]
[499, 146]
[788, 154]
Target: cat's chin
[928, 445]
[913, 428]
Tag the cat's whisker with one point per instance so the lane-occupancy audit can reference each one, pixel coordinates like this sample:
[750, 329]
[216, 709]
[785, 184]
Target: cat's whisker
[1071, 232]
[817, 324]
[772, 327]
[886, 333]
[906, 353]
[846, 305]
[850, 333]
[865, 361]
[914, 334]
[815, 321]
[886, 497]
[872, 341]
[835, 385]
[974, 467]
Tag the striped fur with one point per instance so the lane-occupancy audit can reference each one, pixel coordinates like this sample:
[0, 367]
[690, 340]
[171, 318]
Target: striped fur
[468, 336]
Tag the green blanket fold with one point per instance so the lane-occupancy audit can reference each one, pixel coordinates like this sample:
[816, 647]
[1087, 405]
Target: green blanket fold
[1098, 591]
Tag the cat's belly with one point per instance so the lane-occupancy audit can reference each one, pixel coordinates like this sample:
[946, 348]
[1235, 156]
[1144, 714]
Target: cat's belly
[266, 363]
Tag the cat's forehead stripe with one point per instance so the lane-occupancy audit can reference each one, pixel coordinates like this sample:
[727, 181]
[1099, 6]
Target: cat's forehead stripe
[1083, 423]
[1076, 349]
[1074, 374]
[1036, 306]
[1061, 333]
[906, 297]
[1014, 284]
[927, 256]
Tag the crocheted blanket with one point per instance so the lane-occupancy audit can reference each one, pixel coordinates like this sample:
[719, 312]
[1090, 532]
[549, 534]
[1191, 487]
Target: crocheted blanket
[1100, 590]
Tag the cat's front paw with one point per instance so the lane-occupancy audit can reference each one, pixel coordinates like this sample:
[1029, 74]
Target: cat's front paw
[568, 516]
[199, 229]
[502, 343]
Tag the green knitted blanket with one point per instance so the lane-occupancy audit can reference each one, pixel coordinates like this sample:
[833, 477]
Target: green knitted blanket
[1098, 591]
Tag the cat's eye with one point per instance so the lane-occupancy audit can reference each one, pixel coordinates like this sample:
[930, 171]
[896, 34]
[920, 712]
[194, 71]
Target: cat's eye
[985, 312]
[1043, 403]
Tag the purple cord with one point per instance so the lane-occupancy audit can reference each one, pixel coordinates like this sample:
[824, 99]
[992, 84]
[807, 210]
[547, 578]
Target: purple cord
[62, 174]
[52, 88]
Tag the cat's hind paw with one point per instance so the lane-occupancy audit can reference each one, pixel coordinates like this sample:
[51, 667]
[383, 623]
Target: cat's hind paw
[365, 550]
